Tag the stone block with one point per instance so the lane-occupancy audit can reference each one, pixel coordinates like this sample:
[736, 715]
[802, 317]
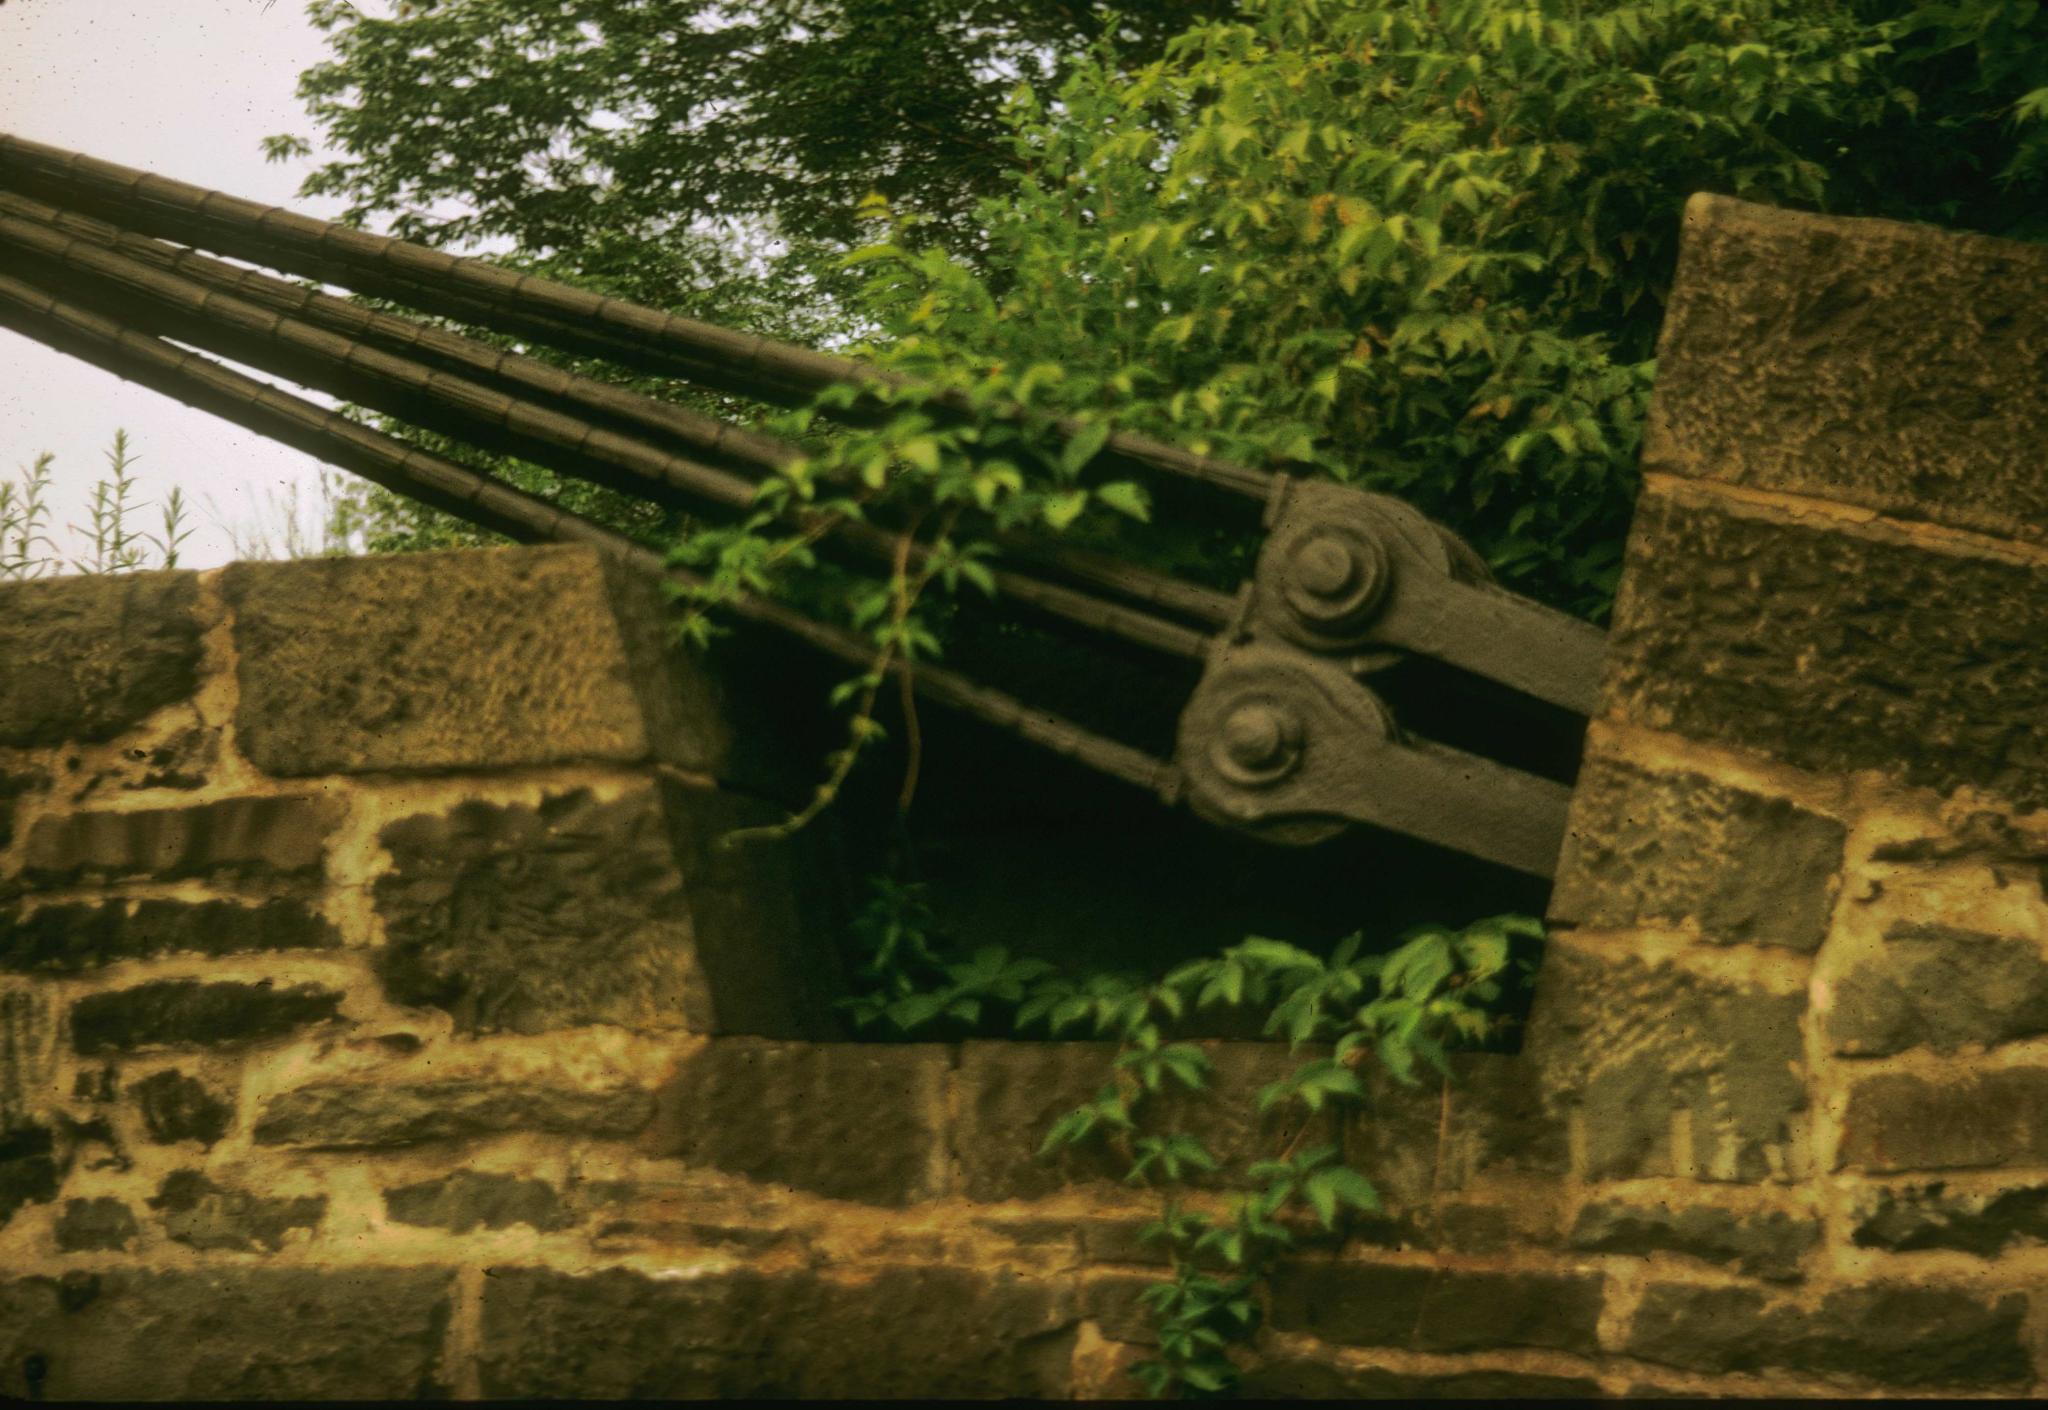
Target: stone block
[849, 1121]
[15, 784]
[363, 1333]
[28, 1169]
[190, 1013]
[474, 1199]
[1833, 651]
[901, 1332]
[1636, 1050]
[1422, 1308]
[258, 838]
[69, 938]
[1661, 849]
[1911, 1218]
[1899, 1121]
[1114, 1303]
[477, 659]
[1767, 1245]
[1311, 1378]
[28, 1053]
[88, 657]
[403, 1112]
[1442, 1135]
[95, 1225]
[204, 1215]
[179, 1108]
[1938, 986]
[1900, 367]
[1901, 1336]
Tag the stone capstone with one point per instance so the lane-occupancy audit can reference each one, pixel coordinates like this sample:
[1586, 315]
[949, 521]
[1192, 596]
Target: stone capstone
[849, 1121]
[899, 1332]
[471, 1199]
[92, 1225]
[1634, 1049]
[68, 938]
[350, 1115]
[1767, 1245]
[1872, 362]
[1912, 1218]
[258, 838]
[524, 919]
[90, 656]
[191, 1013]
[1901, 1121]
[179, 1108]
[198, 1212]
[1645, 848]
[1941, 987]
[1833, 651]
[1889, 1334]
[1437, 1309]
[227, 1333]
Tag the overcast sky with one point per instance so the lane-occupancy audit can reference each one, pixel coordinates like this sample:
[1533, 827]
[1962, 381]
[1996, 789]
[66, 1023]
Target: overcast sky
[185, 88]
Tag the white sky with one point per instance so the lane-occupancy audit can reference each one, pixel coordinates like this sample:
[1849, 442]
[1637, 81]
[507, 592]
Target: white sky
[185, 88]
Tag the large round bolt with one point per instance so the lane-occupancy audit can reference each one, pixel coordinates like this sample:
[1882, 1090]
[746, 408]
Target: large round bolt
[1333, 581]
[1260, 742]
[1325, 566]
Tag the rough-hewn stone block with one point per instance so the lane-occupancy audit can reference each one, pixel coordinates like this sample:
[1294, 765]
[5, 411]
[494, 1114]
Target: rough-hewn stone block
[1896, 366]
[14, 785]
[179, 1108]
[1437, 1309]
[1900, 1121]
[189, 1013]
[488, 658]
[28, 1052]
[1628, 1045]
[227, 1334]
[845, 1120]
[1416, 1142]
[28, 1168]
[1941, 987]
[1911, 1218]
[1767, 1245]
[63, 939]
[95, 1225]
[900, 1333]
[1833, 651]
[366, 1114]
[88, 657]
[1892, 1335]
[474, 1199]
[1664, 848]
[1307, 1378]
[254, 837]
[198, 1212]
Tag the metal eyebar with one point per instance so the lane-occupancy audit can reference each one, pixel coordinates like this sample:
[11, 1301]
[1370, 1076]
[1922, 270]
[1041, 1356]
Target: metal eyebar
[477, 412]
[200, 382]
[745, 364]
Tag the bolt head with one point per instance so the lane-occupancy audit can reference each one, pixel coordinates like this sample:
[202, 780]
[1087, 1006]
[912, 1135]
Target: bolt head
[1260, 740]
[1325, 566]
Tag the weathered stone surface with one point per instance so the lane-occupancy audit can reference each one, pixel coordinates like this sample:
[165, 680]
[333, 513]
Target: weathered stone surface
[1114, 1303]
[1767, 1245]
[198, 1212]
[1306, 1378]
[1899, 1121]
[249, 837]
[227, 1334]
[92, 1225]
[1892, 1335]
[1629, 1045]
[846, 1120]
[490, 658]
[525, 919]
[1941, 987]
[1437, 1309]
[15, 784]
[1662, 849]
[28, 1053]
[472, 1199]
[89, 656]
[60, 939]
[1878, 363]
[1911, 1218]
[936, 1333]
[1832, 651]
[190, 1013]
[180, 1108]
[1418, 1142]
[28, 1169]
[348, 1115]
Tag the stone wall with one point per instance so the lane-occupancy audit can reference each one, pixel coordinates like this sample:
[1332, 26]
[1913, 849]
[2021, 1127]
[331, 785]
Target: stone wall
[377, 1017]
